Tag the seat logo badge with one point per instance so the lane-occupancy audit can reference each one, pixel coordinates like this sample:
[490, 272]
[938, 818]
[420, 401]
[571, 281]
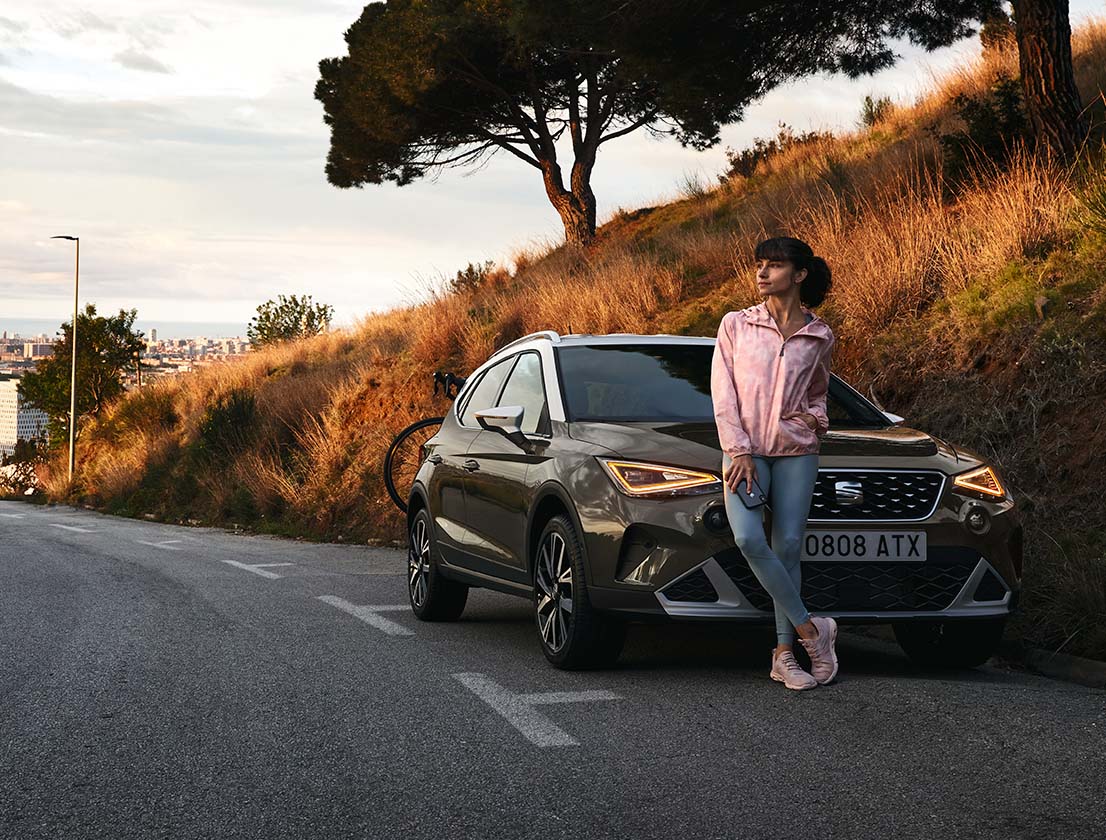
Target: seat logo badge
[849, 492]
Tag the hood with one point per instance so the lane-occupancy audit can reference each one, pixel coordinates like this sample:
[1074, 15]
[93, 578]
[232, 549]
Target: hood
[695, 445]
[759, 314]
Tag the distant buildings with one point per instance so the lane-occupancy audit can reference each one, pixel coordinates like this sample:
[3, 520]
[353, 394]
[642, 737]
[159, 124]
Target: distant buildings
[17, 420]
[160, 358]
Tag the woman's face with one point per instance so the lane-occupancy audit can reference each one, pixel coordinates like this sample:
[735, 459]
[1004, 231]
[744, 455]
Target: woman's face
[778, 277]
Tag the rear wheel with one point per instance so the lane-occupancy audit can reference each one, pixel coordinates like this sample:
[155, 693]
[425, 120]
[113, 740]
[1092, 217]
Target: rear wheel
[950, 644]
[573, 634]
[432, 597]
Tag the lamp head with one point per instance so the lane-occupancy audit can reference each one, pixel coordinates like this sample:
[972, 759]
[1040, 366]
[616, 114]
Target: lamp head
[70, 238]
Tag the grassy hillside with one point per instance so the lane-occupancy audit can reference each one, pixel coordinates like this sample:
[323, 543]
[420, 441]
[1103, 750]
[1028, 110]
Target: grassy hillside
[972, 302]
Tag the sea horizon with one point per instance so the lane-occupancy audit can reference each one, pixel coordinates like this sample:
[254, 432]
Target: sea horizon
[32, 327]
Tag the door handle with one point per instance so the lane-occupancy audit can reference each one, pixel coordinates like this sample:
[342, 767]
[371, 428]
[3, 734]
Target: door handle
[471, 465]
[435, 459]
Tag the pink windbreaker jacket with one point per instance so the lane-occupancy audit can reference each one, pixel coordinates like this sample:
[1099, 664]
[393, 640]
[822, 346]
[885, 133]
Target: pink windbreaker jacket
[757, 376]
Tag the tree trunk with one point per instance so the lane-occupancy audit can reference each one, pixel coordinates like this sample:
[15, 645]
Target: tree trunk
[1043, 31]
[577, 211]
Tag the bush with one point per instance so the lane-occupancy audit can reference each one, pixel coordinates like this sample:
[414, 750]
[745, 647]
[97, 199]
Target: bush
[692, 186]
[471, 277]
[994, 124]
[1092, 198]
[744, 163]
[875, 110]
[226, 426]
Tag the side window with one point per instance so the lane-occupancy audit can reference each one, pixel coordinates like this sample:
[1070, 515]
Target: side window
[525, 388]
[483, 395]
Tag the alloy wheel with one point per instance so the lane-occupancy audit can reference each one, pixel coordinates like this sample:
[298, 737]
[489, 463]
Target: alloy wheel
[554, 581]
[418, 563]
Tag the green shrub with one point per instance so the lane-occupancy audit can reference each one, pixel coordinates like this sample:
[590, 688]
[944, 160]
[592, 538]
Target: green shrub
[745, 162]
[875, 110]
[226, 426]
[994, 124]
[1092, 199]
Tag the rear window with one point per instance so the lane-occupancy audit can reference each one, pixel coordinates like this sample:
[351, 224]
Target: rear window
[624, 382]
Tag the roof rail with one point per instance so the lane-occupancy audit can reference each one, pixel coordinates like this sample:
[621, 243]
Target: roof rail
[550, 334]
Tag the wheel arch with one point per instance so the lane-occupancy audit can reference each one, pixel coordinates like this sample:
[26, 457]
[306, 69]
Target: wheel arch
[416, 501]
[551, 500]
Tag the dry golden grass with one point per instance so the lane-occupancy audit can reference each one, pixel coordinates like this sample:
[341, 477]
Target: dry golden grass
[873, 203]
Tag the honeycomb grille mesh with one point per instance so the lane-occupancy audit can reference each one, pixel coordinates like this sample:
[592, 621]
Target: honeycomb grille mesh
[902, 494]
[695, 587]
[867, 587]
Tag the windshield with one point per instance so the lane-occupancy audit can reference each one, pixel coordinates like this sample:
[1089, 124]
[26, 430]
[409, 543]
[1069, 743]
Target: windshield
[623, 383]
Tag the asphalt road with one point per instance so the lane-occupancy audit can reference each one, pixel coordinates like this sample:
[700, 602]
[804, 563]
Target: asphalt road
[159, 681]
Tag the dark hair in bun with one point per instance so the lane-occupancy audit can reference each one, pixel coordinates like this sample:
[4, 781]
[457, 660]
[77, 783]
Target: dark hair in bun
[816, 284]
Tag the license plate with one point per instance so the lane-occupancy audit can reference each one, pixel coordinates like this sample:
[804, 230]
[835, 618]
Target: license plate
[864, 545]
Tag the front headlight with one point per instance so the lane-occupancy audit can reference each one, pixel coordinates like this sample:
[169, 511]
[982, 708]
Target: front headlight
[982, 481]
[636, 478]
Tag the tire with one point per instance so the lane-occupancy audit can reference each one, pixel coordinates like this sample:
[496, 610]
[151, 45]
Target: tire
[573, 635]
[432, 597]
[950, 644]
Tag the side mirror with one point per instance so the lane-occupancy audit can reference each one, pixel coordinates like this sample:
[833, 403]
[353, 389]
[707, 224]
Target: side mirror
[895, 419]
[507, 420]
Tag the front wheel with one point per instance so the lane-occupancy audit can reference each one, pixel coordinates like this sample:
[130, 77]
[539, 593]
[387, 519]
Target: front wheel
[950, 644]
[432, 597]
[573, 635]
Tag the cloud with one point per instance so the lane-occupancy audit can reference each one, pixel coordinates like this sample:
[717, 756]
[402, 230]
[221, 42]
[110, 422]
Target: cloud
[135, 123]
[12, 25]
[132, 59]
[73, 25]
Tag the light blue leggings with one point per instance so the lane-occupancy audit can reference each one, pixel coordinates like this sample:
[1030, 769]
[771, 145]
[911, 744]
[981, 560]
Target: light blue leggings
[788, 481]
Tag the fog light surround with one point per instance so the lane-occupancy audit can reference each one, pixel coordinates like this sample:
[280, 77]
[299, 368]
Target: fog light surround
[715, 520]
[976, 519]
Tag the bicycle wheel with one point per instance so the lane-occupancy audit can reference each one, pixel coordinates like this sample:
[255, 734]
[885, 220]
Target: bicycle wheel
[405, 457]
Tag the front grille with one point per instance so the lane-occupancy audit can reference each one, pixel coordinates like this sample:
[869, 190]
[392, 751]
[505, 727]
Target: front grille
[695, 587]
[886, 495]
[866, 587]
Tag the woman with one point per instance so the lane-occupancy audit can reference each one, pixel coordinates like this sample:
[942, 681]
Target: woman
[769, 380]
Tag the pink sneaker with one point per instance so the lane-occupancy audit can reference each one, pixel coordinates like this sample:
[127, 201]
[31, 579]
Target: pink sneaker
[787, 671]
[823, 657]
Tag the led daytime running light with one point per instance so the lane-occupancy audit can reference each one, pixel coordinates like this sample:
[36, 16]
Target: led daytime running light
[637, 478]
[982, 480]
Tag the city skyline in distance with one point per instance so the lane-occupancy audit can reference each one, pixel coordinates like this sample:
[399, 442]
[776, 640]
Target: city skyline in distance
[32, 327]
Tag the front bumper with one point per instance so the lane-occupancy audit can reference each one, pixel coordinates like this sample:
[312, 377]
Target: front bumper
[669, 559]
[964, 585]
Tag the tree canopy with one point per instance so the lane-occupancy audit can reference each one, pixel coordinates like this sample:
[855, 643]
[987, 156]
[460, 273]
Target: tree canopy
[428, 84]
[288, 318]
[106, 347]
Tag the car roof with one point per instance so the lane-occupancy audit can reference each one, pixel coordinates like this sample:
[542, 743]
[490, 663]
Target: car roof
[578, 339]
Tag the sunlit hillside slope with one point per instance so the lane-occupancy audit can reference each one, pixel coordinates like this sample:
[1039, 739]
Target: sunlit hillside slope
[975, 306]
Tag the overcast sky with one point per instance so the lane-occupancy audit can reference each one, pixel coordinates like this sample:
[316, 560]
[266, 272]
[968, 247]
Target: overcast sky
[183, 144]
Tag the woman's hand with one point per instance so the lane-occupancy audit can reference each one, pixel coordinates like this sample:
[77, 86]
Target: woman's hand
[741, 467]
[808, 418]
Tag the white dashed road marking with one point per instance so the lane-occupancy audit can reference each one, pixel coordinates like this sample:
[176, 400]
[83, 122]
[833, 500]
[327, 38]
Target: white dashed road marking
[268, 565]
[13, 515]
[518, 709]
[370, 614]
[167, 545]
[265, 573]
[73, 528]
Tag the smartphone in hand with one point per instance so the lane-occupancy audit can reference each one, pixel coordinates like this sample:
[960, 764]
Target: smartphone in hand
[751, 501]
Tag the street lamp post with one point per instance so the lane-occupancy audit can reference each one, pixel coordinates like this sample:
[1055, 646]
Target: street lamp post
[73, 373]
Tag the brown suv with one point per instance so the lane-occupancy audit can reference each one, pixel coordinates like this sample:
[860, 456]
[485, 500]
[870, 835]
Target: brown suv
[583, 472]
